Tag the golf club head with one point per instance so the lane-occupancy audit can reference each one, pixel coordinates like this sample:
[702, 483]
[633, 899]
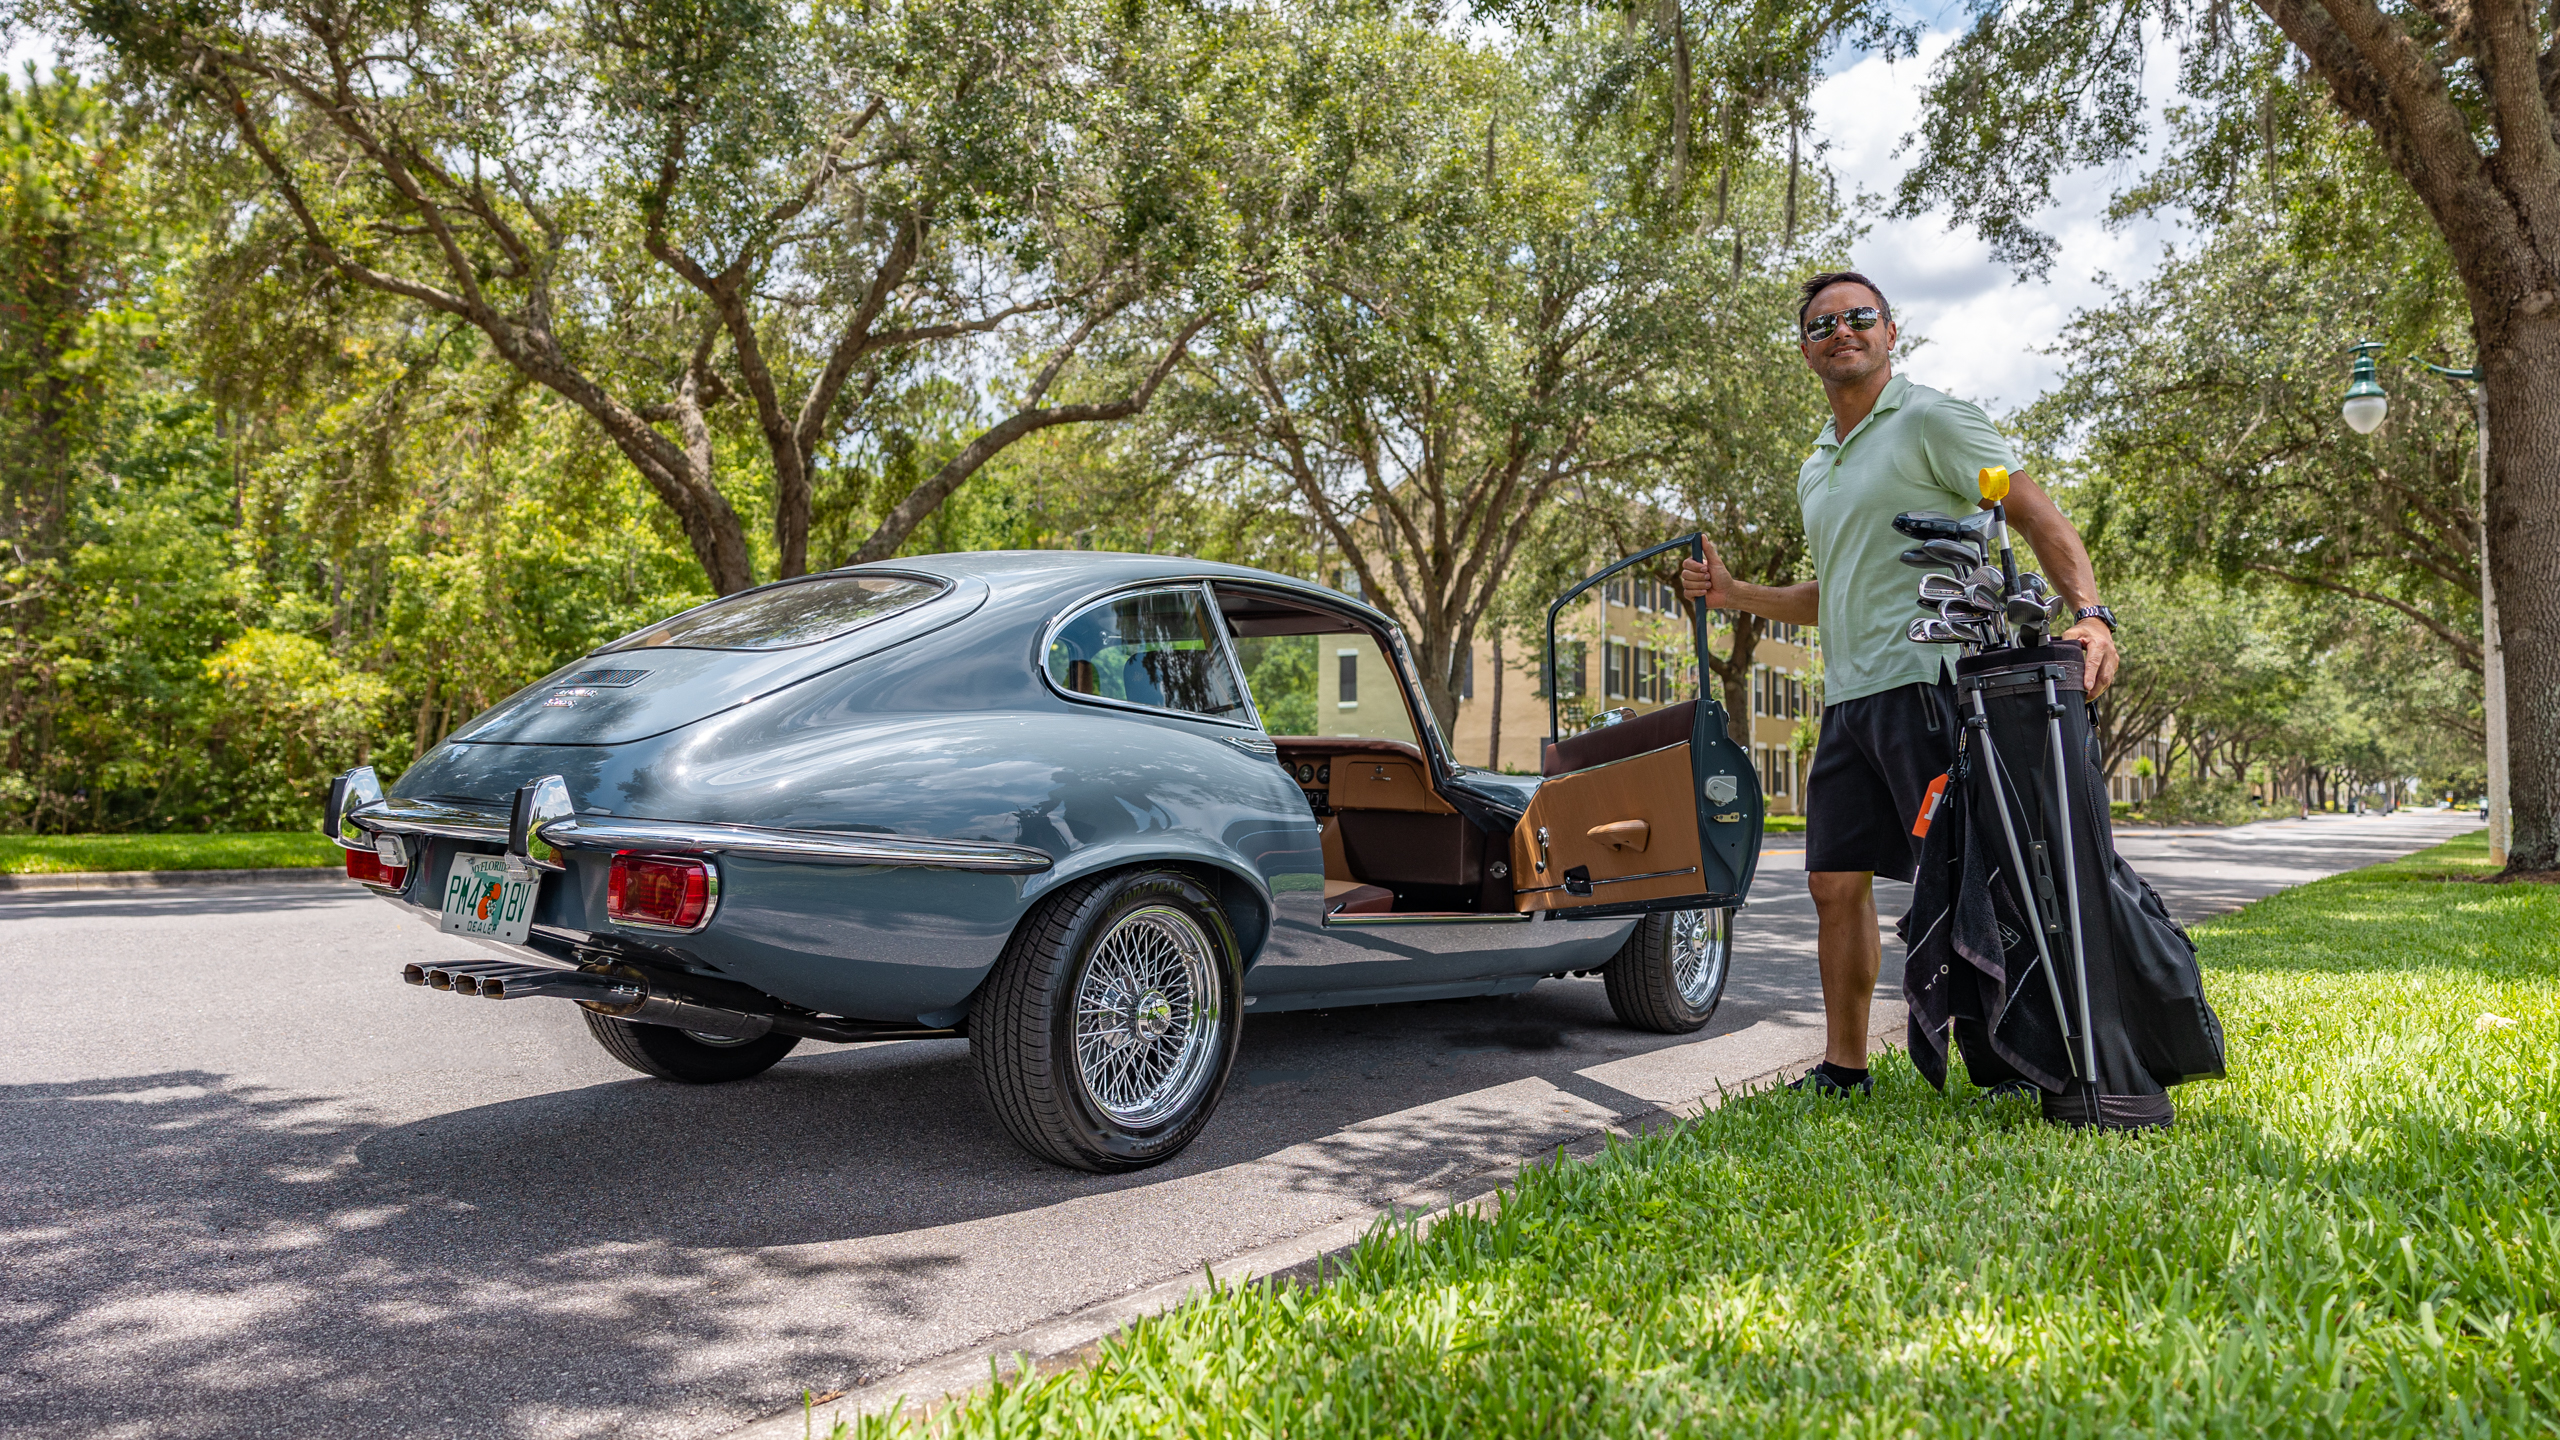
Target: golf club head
[2032, 583]
[1986, 598]
[2057, 613]
[2025, 611]
[1963, 612]
[1987, 576]
[1957, 555]
[1928, 630]
[1934, 588]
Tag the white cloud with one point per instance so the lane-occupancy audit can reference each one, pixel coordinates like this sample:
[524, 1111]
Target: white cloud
[1986, 327]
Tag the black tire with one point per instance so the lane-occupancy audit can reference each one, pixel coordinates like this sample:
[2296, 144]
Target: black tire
[1086, 1099]
[689, 1059]
[1645, 978]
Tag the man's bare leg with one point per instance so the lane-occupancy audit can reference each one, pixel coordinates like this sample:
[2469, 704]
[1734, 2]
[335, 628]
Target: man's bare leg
[1849, 953]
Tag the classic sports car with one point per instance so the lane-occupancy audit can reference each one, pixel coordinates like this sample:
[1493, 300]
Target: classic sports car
[1027, 799]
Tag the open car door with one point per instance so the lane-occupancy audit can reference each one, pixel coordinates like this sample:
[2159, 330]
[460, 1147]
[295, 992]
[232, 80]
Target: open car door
[1660, 812]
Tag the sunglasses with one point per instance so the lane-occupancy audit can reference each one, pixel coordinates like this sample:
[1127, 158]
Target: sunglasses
[1862, 319]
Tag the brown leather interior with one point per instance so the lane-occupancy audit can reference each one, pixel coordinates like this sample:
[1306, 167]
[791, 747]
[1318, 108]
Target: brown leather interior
[1337, 866]
[1350, 897]
[1577, 810]
[1395, 847]
[1666, 726]
[1388, 827]
[1308, 747]
[1366, 774]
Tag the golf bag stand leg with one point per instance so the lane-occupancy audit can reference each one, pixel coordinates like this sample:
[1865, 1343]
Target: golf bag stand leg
[2071, 879]
[2027, 907]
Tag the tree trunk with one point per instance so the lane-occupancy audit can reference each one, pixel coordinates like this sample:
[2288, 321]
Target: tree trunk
[1436, 656]
[1735, 671]
[2519, 358]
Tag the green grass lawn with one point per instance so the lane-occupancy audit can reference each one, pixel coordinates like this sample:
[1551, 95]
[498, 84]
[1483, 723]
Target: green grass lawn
[2353, 1235]
[254, 850]
[1783, 825]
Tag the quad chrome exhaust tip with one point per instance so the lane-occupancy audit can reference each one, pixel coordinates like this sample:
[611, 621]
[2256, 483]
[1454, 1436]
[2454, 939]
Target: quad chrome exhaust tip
[504, 980]
[627, 995]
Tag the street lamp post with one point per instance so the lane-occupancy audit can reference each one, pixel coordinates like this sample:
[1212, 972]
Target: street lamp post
[2362, 408]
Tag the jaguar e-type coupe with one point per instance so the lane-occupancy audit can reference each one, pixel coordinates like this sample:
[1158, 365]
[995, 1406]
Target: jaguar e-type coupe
[1028, 799]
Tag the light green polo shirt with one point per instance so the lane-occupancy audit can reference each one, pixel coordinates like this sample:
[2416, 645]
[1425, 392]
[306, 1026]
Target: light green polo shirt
[1919, 449]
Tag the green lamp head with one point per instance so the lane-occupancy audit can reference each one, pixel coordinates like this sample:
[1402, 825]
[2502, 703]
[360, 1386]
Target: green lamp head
[2365, 403]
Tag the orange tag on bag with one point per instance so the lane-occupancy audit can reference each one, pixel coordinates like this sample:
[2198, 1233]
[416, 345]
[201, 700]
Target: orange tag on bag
[1929, 807]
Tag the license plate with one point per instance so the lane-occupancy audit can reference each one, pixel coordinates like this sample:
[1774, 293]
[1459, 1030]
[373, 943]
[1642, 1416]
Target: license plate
[483, 901]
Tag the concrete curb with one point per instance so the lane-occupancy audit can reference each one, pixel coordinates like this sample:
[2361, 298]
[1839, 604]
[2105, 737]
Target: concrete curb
[1072, 1339]
[158, 879]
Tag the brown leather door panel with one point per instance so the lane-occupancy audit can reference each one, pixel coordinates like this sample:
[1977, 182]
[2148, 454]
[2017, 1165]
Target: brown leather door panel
[1652, 789]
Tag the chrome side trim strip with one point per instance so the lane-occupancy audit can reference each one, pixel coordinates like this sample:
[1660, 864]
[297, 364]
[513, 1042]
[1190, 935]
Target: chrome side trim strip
[619, 832]
[1615, 879]
[818, 847]
[1513, 917]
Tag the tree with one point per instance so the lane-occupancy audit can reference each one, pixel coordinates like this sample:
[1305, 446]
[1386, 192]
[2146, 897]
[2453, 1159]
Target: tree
[76, 274]
[665, 211]
[2203, 403]
[1479, 319]
[2460, 105]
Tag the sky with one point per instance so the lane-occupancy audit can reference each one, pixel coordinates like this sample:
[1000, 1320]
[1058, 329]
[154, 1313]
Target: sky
[1986, 328]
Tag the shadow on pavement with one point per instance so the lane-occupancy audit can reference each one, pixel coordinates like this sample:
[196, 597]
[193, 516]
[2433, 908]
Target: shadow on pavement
[193, 1255]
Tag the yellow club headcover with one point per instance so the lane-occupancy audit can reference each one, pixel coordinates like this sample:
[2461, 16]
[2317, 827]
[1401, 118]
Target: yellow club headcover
[1995, 483]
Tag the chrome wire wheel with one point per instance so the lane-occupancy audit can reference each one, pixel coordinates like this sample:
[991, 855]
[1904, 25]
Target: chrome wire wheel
[1147, 1017]
[1701, 947]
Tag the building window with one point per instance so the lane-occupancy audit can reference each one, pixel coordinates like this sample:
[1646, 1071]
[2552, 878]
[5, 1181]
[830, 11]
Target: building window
[1350, 677]
[1569, 668]
[1613, 670]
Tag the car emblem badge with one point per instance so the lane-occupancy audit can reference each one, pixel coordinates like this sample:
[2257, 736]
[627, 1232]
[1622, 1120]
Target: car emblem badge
[1722, 788]
[566, 698]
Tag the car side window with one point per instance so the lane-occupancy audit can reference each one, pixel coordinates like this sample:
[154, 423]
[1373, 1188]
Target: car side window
[1159, 648]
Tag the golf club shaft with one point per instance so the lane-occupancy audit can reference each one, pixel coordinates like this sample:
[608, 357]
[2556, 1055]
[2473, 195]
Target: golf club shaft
[2008, 560]
[2018, 870]
[2070, 872]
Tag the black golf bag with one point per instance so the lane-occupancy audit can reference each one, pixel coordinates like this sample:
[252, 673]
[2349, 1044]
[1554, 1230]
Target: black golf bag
[2076, 980]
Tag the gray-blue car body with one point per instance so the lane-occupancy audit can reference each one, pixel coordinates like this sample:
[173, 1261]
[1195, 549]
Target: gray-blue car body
[1027, 798]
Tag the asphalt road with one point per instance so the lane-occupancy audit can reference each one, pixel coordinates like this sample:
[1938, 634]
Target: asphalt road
[251, 1185]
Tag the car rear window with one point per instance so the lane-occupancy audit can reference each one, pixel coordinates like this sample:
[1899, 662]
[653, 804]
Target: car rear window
[801, 612]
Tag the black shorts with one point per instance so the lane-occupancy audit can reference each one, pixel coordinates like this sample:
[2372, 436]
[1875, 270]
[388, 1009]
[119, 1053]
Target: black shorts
[1878, 754]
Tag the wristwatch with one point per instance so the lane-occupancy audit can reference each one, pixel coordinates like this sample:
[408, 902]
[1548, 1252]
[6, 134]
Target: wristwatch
[2096, 612]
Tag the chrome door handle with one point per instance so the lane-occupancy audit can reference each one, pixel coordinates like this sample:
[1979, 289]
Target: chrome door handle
[1542, 849]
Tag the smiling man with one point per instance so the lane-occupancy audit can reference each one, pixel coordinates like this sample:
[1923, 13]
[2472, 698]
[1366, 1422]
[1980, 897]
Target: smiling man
[1889, 712]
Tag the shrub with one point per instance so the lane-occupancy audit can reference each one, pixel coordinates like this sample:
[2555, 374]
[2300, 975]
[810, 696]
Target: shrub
[2201, 802]
[288, 716]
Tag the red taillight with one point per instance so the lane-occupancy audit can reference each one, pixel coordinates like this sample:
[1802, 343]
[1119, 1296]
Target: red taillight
[366, 866]
[673, 892]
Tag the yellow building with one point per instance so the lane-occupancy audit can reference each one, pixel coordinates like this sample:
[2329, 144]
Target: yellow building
[1627, 644]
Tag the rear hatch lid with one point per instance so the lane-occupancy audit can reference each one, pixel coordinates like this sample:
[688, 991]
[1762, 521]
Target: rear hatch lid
[723, 654]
